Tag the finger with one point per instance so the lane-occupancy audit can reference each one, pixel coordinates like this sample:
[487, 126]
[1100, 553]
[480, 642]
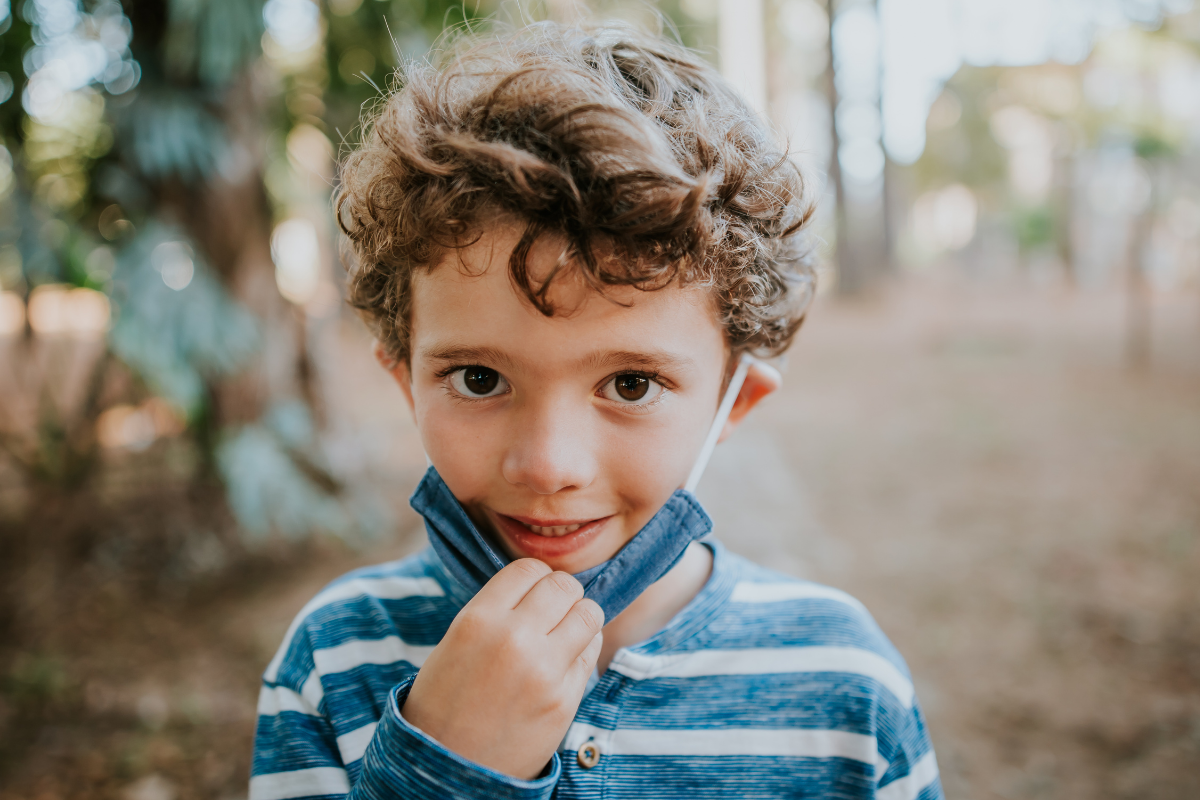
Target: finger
[578, 628]
[509, 586]
[549, 601]
[585, 663]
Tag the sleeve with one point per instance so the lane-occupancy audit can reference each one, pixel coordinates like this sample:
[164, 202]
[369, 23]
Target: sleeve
[401, 761]
[910, 771]
[296, 752]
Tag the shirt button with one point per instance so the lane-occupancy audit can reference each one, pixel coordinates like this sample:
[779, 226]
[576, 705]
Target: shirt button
[589, 754]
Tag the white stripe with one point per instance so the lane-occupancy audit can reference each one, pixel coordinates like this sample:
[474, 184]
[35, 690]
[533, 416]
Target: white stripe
[352, 745]
[356, 652]
[384, 588]
[299, 783]
[273, 700]
[796, 742]
[765, 661]
[747, 592]
[312, 690]
[923, 773]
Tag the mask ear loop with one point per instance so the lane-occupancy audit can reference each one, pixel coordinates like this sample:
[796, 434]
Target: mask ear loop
[718, 425]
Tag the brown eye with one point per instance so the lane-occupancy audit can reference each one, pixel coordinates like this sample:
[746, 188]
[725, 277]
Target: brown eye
[480, 380]
[631, 387]
[476, 381]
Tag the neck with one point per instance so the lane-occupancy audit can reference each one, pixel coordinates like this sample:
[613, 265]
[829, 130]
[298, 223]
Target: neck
[658, 605]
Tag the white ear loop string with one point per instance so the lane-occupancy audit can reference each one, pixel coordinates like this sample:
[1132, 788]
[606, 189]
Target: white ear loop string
[718, 425]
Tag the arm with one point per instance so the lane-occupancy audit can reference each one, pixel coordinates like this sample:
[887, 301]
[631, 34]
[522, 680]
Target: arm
[402, 761]
[296, 755]
[500, 691]
[912, 770]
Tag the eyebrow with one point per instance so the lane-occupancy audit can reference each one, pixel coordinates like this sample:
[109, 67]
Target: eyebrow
[651, 361]
[468, 355]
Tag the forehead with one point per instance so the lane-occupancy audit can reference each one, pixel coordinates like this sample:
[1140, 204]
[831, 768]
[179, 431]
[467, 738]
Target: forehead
[469, 300]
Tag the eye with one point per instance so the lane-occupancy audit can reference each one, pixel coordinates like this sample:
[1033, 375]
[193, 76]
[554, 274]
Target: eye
[630, 388]
[476, 381]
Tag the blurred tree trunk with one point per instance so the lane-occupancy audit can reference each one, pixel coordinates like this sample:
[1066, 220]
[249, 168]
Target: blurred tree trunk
[887, 244]
[1062, 201]
[1137, 288]
[225, 209]
[232, 223]
[849, 279]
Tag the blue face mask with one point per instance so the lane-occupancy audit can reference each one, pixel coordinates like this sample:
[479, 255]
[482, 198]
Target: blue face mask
[472, 560]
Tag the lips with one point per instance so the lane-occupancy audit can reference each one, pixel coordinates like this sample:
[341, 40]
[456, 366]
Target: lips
[550, 538]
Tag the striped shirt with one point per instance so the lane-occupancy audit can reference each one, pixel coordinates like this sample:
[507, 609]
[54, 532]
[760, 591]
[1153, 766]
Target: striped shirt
[764, 686]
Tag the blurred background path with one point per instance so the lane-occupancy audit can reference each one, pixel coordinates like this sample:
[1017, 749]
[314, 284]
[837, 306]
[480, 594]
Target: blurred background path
[1020, 514]
[989, 429]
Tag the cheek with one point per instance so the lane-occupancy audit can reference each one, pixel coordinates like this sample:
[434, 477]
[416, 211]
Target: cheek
[461, 445]
[647, 462]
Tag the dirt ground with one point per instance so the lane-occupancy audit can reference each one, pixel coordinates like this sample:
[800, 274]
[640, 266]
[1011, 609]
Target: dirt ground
[1020, 511]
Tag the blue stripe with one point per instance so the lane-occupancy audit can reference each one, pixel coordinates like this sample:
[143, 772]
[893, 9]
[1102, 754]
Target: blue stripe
[931, 792]
[828, 701]
[297, 664]
[357, 697]
[747, 777]
[291, 741]
[416, 620]
[798, 623]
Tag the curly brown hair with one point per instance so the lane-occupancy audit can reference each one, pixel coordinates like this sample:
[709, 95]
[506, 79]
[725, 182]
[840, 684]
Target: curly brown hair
[627, 148]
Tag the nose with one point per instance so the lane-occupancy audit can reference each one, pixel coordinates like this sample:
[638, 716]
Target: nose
[550, 451]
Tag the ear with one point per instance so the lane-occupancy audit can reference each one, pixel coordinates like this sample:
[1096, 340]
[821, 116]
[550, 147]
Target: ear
[761, 380]
[397, 369]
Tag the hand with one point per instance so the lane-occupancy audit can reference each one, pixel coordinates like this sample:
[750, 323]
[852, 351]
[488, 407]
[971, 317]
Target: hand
[503, 685]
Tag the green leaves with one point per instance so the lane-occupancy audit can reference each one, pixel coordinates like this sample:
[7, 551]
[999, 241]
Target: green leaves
[277, 480]
[176, 324]
[212, 40]
[172, 134]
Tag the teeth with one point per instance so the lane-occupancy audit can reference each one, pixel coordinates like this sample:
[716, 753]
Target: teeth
[557, 530]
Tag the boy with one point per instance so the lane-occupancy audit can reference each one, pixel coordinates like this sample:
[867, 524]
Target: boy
[566, 241]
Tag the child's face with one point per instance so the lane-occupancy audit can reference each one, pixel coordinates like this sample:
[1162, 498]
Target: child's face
[561, 436]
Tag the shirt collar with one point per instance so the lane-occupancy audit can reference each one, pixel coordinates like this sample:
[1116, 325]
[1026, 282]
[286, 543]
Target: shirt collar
[705, 607]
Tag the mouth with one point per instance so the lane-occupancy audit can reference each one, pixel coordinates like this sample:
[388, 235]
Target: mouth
[548, 538]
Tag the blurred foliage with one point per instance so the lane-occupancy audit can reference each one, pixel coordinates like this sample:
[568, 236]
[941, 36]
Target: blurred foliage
[122, 123]
[211, 41]
[177, 341]
[960, 147]
[1034, 227]
[1152, 146]
[280, 482]
[1042, 147]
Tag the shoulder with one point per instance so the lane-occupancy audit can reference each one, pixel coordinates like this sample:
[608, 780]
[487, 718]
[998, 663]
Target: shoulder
[807, 626]
[754, 583]
[395, 606]
[846, 669]
[417, 575]
[757, 589]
